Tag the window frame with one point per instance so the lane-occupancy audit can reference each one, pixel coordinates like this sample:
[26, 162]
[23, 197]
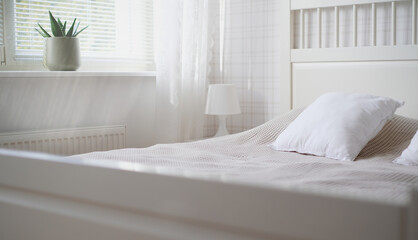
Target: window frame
[89, 64]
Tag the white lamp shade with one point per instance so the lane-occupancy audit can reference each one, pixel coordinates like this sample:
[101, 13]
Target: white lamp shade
[222, 100]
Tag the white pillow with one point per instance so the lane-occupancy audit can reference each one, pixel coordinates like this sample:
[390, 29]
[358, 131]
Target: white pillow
[337, 125]
[409, 156]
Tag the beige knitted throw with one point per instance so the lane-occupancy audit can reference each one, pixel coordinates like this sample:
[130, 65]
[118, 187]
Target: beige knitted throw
[246, 157]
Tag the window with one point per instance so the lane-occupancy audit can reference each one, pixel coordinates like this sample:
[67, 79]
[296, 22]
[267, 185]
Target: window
[120, 32]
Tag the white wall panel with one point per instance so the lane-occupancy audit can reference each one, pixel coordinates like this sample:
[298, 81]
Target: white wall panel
[396, 79]
[403, 25]
[43, 103]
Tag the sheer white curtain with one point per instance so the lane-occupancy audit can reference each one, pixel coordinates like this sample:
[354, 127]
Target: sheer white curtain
[246, 54]
[182, 52]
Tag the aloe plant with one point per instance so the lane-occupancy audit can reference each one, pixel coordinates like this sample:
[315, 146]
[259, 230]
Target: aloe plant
[58, 28]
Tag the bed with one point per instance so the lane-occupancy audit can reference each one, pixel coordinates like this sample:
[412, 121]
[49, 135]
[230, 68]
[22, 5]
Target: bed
[237, 187]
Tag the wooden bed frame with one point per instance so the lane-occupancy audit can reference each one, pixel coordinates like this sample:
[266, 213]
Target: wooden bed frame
[42, 197]
[50, 197]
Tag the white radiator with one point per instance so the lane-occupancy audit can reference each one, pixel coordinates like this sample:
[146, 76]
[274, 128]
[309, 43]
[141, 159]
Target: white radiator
[67, 141]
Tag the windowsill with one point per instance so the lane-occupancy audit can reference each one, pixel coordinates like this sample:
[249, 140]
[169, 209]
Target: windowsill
[43, 74]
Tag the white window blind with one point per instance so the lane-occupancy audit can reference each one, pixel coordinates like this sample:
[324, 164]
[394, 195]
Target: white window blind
[118, 30]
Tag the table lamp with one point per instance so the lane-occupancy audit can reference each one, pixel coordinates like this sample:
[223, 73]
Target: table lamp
[222, 101]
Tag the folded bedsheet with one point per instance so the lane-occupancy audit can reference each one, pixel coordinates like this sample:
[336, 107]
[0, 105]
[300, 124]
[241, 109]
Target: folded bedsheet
[246, 157]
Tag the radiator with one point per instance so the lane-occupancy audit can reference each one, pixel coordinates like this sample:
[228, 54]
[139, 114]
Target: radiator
[66, 141]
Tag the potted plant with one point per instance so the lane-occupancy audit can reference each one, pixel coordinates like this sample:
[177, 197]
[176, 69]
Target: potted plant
[62, 48]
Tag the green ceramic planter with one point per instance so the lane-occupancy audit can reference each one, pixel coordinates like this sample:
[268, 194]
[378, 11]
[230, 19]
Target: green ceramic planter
[62, 53]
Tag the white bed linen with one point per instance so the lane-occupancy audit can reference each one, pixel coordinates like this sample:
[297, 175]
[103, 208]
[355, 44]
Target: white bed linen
[410, 155]
[246, 157]
[337, 125]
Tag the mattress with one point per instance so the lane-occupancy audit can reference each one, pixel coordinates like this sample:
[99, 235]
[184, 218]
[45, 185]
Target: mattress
[247, 158]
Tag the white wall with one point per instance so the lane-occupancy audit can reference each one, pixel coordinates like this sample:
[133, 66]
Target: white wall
[47, 100]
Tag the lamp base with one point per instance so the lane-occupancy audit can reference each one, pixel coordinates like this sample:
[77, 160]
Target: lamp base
[222, 131]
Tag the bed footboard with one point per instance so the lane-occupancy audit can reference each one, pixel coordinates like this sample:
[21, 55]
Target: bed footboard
[413, 214]
[46, 197]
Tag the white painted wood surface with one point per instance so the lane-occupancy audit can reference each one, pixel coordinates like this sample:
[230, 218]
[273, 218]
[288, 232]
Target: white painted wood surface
[413, 215]
[302, 28]
[354, 30]
[358, 54]
[285, 44]
[373, 24]
[396, 79]
[67, 142]
[107, 201]
[319, 27]
[393, 29]
[336, 27]
[414, 22]
[307, 4]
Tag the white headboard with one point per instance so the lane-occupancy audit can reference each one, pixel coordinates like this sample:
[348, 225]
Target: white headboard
[387, 70]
